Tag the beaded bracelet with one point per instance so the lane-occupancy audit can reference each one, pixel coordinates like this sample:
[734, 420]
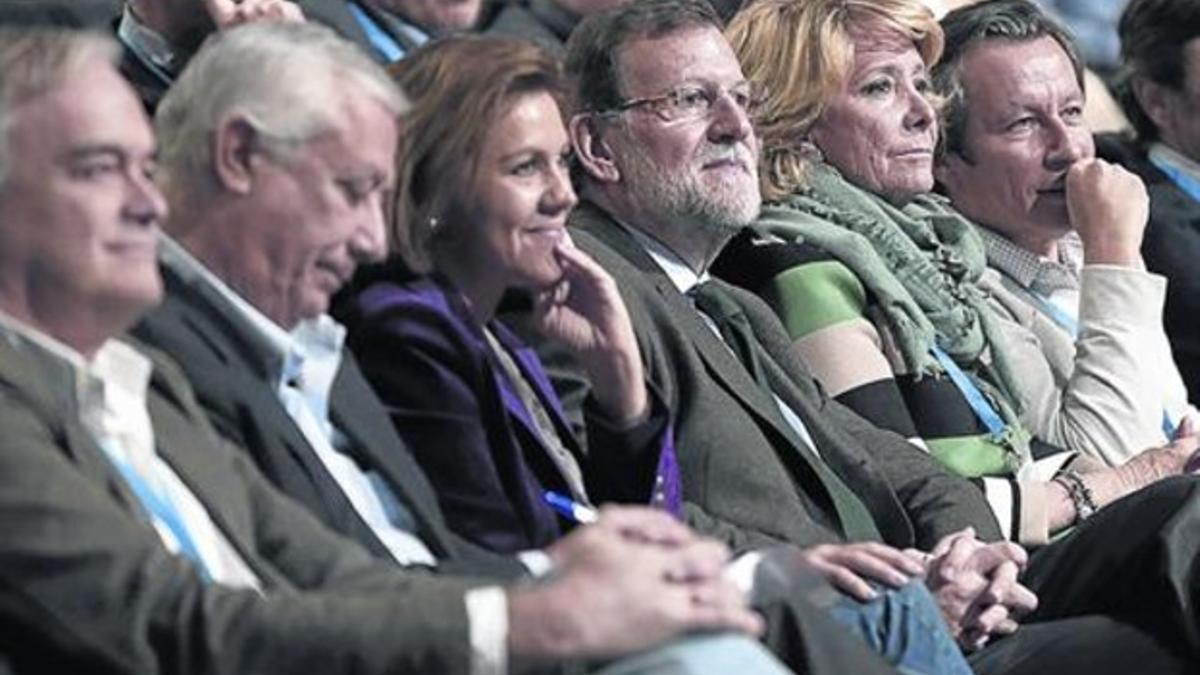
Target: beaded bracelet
[1079, 492]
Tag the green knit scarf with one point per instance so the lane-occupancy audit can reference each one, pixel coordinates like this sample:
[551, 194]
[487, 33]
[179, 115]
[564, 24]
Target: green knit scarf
[921, 263]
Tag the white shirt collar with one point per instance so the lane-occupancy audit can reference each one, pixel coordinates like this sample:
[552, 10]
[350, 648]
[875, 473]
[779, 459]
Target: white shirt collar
[680, 273]
[116, 365]
[111, 394]
[320, 335]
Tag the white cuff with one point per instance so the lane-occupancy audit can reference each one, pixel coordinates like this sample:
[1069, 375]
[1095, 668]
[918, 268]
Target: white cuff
[487, 618]
[741, 571]
[537, 562]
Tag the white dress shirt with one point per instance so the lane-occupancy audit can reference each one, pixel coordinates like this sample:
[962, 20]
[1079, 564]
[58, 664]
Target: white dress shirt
[110, 391]
[308, 359]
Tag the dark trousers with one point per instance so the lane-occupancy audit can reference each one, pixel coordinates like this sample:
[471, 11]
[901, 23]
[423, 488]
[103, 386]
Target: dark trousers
[1118, 595]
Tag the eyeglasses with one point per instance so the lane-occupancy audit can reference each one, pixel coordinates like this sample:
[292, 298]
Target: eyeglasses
[691, 102]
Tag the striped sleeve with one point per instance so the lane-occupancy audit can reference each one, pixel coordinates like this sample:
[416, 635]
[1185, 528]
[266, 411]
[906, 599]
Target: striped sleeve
[823, 307]
[1022, 504]
[827, 312]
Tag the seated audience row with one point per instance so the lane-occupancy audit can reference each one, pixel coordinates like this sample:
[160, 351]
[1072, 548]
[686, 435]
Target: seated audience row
[653, 382]
[249, 273]
[667, 152]
[223, 234]
[135, 540]
[886, 296]
[158, 37]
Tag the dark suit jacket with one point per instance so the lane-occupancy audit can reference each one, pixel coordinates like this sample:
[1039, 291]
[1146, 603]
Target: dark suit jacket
[85, 578]
[1170, 247]
[457, 409]
[545, 24]
[61, 13]
[151, 86]
[336, 14]
[234, 384]
[743, 477]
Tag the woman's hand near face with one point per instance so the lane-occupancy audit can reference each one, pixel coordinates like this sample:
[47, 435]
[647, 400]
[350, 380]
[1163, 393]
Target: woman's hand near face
[584, 311]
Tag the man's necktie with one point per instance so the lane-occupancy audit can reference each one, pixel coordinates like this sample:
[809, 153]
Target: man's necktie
[734, 327]
[857, 522]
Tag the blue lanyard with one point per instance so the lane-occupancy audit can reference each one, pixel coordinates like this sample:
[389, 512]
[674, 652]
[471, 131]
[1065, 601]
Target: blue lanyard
[1181, 178]
[975, 398]
[1169, 427]
[1057, 315]
[161, 507]
[384, 43]
[1060, 317]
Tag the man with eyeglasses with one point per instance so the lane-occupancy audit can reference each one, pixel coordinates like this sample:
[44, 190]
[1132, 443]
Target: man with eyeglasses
[138, 541]
[667, 157]
[666, 165]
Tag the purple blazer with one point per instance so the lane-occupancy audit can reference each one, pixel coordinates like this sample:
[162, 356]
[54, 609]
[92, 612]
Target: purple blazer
[429, 361]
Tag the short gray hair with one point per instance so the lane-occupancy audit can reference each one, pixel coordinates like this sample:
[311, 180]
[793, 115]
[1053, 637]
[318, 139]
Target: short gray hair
[284, 78]
[34, 61]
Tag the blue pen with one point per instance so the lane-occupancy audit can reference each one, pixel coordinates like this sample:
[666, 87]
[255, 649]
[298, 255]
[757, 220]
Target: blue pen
[569, 507]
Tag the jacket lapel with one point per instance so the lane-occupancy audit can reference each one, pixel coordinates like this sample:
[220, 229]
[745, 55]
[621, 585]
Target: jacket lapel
[180, 441]
[198, 328]
[231, 344]
[531, 367]
[355, 410]
[721, 362]
[25, 368]
[800, 391]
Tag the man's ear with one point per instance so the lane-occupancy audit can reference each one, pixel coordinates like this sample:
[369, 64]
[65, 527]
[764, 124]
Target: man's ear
[1154, 99]
[235, 144]
[591, 150]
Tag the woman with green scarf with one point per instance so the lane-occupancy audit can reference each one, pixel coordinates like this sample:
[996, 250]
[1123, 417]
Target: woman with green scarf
[876, 279]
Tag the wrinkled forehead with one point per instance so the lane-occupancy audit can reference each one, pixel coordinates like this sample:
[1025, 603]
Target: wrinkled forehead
[874, 46]
[877, 36]
[1007, 73]
[701, 54]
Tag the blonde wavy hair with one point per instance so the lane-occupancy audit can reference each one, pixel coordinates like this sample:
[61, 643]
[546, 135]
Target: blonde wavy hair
[802, 51]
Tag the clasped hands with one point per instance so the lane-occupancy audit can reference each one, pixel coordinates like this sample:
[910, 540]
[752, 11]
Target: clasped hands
[974, 583]
[633, 579]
